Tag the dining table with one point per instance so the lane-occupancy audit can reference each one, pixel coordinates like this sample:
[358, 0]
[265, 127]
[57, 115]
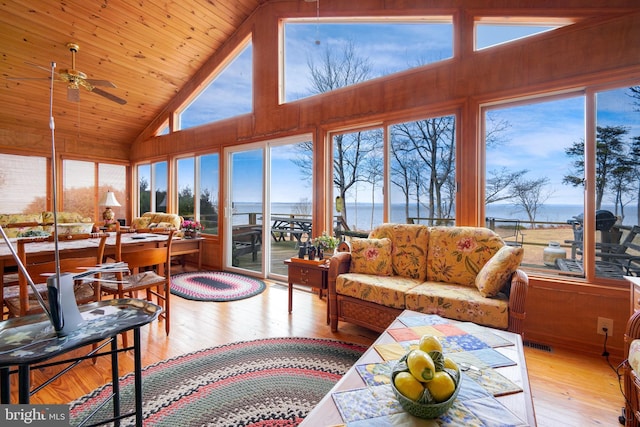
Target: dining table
[44, 251]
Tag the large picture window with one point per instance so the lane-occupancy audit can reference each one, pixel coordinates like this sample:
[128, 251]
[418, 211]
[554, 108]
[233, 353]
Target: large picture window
[422, 171]
[617, 181]
[198, 184]
[81, 189]
[152, 187]
[17, 170]
[527, 200]
[322, 55]
[229, 94]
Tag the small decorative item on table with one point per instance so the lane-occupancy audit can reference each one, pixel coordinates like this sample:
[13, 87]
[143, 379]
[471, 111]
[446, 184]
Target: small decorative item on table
[325, 244]
[191, 228]
[425, 382]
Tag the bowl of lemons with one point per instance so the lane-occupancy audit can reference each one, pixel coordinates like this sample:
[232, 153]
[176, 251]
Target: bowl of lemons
[425, 381]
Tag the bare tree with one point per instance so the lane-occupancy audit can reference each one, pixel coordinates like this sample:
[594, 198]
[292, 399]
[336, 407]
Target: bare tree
[498, 184]
[634, 92]
[530, 194]
[432, 143]
[338, 69]
[405, 170]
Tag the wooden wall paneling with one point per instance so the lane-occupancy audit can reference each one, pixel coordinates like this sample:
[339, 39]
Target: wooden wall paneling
[566, 315]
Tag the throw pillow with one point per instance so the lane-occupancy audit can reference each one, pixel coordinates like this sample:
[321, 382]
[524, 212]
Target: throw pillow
[634, 355]
[140, 222]
[410, 243]
[498, 270]
[371, 256]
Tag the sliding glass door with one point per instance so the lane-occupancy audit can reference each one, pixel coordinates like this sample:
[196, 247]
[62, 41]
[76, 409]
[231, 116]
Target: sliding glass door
[244, 210]
[269, 204]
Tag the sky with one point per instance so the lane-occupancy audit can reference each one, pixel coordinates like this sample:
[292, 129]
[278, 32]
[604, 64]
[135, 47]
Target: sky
[536, 138]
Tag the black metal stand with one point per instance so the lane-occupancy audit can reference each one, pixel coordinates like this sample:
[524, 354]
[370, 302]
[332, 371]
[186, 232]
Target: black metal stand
[106, 320]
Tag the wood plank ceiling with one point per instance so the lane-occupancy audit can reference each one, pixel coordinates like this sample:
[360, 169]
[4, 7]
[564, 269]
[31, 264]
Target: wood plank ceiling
[148, 49]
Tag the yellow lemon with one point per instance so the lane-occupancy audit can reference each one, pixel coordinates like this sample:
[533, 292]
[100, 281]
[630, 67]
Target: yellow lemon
[441, 386]
[421, 365]
[430, 343]
[408, 385]
[450, 364]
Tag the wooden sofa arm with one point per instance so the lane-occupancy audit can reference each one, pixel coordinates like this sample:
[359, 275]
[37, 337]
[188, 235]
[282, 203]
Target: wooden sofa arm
[517, 301]
[631, 380]
[339, 263]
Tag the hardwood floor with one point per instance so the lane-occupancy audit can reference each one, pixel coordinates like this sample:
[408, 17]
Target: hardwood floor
[568, 389]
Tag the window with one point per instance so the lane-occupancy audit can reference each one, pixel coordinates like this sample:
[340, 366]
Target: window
[152, 187]
[209, 192]
[186, 187]
[423, 171]
[144, 189]
[358, 173]
[113, 178]
[81, 191]
[528, 199]
[321, 55]
[199, 175]
[79, 187]
[23, 183]
[489, 35]
[617, 186]
[229, 94]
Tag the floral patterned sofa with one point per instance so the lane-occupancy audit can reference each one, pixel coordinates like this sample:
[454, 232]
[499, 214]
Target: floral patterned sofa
[16, 225]
[157, 220]
[463, 273]
[631, 371]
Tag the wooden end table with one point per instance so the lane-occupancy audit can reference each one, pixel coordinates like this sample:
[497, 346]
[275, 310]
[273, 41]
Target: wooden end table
[308, 273]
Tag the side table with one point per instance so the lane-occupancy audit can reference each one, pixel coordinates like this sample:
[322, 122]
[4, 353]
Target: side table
[308, 273]
[28, 341]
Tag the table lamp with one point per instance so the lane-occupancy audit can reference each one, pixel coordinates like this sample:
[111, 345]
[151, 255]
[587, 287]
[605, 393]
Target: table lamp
[108, 200]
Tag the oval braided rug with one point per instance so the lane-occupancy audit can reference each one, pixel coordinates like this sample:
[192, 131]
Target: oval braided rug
[216, 286]
[273, 381]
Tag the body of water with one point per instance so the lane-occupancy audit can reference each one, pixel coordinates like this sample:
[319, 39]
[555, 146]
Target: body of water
[362, 215]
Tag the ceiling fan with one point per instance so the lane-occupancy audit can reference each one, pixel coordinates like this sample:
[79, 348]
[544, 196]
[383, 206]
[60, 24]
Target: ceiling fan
[76, 79]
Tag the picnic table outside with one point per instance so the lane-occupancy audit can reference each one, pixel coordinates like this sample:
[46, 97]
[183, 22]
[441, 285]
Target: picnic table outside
[295, 228]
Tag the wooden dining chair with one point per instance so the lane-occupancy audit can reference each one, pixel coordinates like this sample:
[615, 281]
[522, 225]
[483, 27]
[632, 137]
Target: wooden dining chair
[149, 271]
[20, 299]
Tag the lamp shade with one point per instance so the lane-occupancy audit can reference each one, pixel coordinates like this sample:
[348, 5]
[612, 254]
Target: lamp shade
[109, 199]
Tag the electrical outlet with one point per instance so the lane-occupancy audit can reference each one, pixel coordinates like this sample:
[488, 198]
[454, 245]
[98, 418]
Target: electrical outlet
[603, 322]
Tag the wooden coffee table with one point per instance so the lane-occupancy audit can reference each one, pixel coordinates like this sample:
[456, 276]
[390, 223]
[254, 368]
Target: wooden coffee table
[519, 403]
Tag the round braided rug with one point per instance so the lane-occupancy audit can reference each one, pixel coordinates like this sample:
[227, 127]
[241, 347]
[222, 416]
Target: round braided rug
[274, 382]
[216, 286]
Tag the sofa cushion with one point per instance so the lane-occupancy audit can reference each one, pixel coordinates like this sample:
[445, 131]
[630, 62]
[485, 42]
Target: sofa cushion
[157, 217]
[634, 355]
[387, 291]
[64, 217]
[409, 245]
[459, 302]
[141, 222]
[498, 270]
[19, 218]
[371, 256]
[12, 232]
[457, 254]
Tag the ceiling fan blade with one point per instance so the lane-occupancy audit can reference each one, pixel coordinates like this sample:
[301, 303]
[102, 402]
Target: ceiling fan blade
[38, 66]
[105, 83]
[28, 78]
[109, 96]
[73, 94]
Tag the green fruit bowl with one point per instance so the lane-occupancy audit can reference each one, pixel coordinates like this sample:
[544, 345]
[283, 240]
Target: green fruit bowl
[425, 410]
